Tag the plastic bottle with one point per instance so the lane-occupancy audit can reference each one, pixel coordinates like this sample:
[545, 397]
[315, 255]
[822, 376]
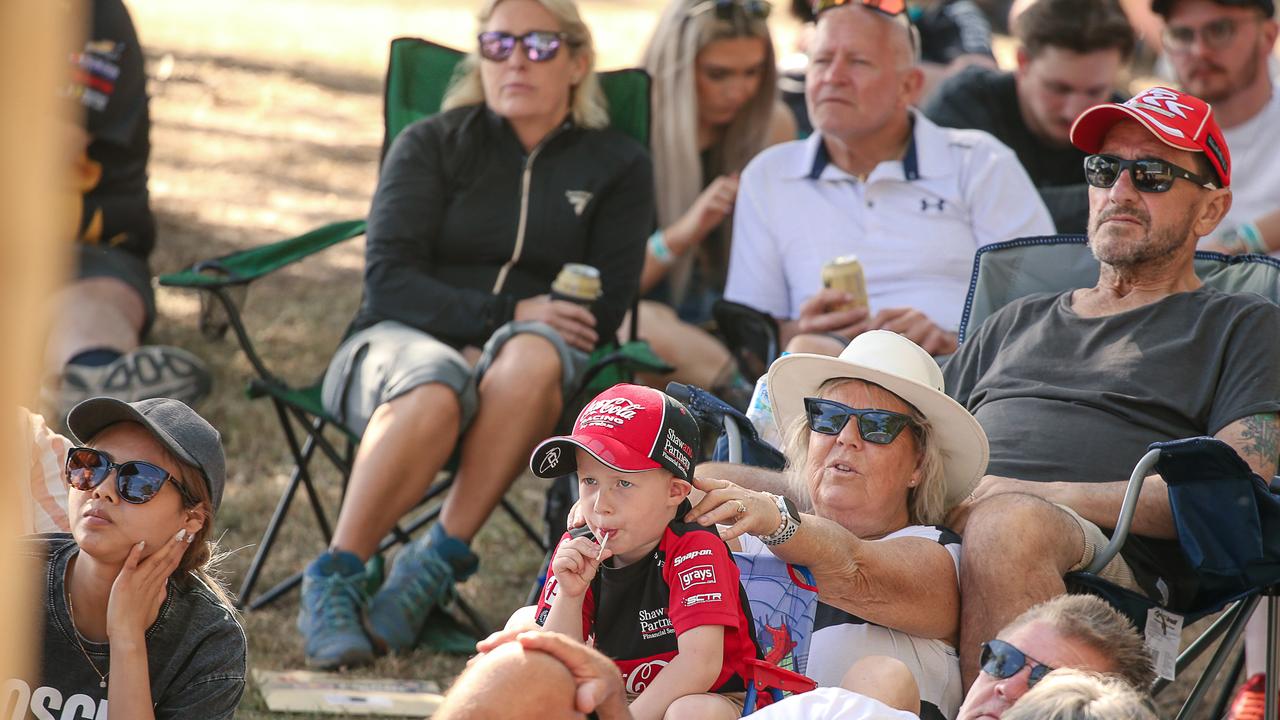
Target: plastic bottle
[760, 412]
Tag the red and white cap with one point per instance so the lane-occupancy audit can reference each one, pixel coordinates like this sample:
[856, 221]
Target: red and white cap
[630, 428]
[1179, 120]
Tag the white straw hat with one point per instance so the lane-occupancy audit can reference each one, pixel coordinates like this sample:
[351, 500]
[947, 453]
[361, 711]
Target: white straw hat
[904, 369]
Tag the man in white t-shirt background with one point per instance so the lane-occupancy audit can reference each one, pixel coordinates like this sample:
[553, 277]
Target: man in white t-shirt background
[1221, 52]
[878, 180]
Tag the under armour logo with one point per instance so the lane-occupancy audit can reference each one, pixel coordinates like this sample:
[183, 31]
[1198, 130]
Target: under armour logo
[578, 199]
[1164, 102]
[549, 461]
[925, 206]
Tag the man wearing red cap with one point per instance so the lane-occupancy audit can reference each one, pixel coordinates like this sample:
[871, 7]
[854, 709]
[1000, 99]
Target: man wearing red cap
[1071, 388]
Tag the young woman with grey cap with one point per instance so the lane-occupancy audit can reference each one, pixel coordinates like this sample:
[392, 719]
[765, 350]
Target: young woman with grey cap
[131, 619]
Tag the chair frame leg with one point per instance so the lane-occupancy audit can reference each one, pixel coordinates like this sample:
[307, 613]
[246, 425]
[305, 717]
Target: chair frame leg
[1273, 656]
[1236, 619]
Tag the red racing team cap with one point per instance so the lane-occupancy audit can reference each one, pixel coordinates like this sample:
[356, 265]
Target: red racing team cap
[630, 428]
[1179, 120]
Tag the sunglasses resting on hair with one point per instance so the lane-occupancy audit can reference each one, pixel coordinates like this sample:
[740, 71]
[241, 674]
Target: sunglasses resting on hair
[1148, 175]
[874, 426]
[758, 9]
[889, 7]
[137, 481]
[1002, 660]
[539, 45]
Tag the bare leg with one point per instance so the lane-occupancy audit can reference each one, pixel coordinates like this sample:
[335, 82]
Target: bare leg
[817, 344]
[544, 686]
[520, 403]
[98, 312]
[886, 679]
[699, 359]
[704, 706]
[394, 467]
[1016, 550]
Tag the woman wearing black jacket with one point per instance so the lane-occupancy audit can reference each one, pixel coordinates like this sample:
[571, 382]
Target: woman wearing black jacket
[457, 342]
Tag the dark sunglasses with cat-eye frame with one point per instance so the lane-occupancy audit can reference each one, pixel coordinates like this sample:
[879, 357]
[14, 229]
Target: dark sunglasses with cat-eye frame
[874, 426]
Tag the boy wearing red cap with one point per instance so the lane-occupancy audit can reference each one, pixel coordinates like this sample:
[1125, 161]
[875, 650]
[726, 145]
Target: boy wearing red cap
[659, 596]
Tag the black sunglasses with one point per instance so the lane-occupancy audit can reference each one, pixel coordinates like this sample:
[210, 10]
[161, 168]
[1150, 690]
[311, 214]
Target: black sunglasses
[875, 426]
[757, 9]
[136, 481]
[539, 45]
[1148, 175]
[1002, 660]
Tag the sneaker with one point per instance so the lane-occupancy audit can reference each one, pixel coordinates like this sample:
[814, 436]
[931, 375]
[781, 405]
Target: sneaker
[145, 372]
[1249, 702]
[333, 598]
[422, 577]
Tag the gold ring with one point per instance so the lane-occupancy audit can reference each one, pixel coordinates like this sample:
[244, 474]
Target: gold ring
[742, 508]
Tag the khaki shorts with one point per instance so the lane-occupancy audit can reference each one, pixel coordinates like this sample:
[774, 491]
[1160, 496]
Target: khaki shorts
[1117, 571]
[384, 361]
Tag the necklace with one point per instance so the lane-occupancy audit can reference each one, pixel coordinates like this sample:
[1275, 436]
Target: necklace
[102, 677]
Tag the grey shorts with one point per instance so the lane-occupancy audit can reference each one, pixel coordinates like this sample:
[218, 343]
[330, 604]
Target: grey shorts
[386, 360]
[102, 261]
[1117, 571]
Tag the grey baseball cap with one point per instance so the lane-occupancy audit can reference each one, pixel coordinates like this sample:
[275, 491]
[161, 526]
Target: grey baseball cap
[179, 428]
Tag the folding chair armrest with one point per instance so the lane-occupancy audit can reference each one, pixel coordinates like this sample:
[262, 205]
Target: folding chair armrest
[242, 267]
[1127, 509]
[764, 674]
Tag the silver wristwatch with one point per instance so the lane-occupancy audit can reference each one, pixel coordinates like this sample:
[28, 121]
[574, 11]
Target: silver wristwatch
[790, 522]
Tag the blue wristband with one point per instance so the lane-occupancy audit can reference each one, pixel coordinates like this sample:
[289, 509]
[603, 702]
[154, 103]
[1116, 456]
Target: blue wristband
[659, 248]
[1251, 238]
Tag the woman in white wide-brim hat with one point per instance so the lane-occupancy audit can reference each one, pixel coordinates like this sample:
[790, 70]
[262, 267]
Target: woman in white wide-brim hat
[876, 453]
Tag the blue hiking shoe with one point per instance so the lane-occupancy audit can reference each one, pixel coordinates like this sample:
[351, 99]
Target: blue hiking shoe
[421, 578]
[333, 598]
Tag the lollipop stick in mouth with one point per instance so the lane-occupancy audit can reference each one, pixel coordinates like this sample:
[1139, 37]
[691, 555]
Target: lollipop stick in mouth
[601, 551]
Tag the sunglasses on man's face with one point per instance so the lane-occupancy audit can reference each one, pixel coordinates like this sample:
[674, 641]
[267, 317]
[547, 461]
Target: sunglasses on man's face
[137, 481]
[539, 45]
[756, 9]
[874, 426]
[1002, 661]
[888, 7]
[1148, 175]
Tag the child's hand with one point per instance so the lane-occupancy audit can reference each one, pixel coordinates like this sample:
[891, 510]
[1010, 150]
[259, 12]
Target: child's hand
[575, 565]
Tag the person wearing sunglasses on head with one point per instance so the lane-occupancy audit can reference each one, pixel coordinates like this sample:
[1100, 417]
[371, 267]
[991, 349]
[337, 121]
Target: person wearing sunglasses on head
[1072, 387]
[457, 341]
[876, 454]
[878, 180]
[130, 616]
[1221, 52]
[711, 115]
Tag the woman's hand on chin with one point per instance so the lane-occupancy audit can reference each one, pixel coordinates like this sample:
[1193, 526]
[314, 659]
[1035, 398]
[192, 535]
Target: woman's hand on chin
[744, 512]
[139, 589]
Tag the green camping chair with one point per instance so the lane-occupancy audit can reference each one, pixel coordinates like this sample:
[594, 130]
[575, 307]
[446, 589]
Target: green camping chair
[418, 74]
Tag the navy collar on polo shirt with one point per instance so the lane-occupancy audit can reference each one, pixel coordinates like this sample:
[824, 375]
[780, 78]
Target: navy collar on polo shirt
[910, 159]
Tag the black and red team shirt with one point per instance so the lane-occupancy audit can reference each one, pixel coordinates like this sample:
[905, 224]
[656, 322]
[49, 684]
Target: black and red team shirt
[637, 612]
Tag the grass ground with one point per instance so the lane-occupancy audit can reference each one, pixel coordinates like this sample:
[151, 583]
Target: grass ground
[266, 123]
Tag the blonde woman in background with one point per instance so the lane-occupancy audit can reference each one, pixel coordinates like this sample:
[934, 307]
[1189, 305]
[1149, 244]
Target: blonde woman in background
[715, 105]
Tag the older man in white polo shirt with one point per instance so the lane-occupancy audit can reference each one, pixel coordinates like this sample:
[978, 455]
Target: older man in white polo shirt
[878, 180]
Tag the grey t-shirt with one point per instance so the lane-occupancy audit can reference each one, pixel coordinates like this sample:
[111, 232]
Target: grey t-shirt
[196, 652]
[1068, 398]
